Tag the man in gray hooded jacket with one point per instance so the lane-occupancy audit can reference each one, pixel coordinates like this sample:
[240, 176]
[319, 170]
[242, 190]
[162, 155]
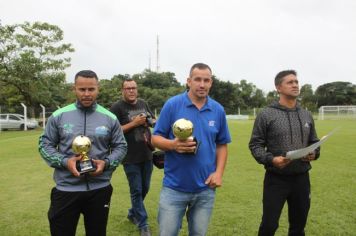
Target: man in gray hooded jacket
[89, 193]
[281, 127]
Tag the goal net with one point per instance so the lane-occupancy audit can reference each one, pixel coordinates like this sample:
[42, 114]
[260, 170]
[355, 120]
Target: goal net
[337, 112]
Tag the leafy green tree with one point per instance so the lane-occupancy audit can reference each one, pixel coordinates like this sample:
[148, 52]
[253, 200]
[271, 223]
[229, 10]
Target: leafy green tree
[156, 88]
[271, 96]
[9, 98]
[154, 97]
[258, 98]
[110, 90]
[245, 93]
[32, 61]
[307, 98]
[252, 96]
[156, 80]
[336, 93]
[226, 94]
[67, 94]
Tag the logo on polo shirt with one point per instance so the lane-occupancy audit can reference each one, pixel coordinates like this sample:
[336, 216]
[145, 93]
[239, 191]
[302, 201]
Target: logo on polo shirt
[211, 123]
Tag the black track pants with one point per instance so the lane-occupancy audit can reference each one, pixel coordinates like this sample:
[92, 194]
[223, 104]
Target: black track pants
[65, 209]
[277, 190]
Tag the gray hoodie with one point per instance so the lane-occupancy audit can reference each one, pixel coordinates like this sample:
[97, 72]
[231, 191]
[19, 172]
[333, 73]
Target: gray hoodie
[277, 130]
[105, 133]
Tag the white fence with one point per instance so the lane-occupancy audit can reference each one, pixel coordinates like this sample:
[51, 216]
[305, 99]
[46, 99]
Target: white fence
[38, 116]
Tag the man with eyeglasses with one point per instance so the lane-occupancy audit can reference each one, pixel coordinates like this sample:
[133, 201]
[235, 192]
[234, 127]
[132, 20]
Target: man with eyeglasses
[136, 119]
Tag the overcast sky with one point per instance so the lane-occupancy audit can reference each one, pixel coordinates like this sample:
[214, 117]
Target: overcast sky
[239, 39]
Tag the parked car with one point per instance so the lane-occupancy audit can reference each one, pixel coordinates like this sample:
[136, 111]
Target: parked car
[16, 121]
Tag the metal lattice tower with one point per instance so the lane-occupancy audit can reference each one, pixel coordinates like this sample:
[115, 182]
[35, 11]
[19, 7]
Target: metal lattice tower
[157, 62]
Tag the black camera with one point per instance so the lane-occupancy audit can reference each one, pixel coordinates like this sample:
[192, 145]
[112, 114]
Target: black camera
[149, 120]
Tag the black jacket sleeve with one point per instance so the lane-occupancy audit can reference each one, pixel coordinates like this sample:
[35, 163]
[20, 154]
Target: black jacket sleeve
[257, 142]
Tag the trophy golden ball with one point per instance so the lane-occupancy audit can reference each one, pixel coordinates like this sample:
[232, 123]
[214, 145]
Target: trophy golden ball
[81, 144]
[183, 129]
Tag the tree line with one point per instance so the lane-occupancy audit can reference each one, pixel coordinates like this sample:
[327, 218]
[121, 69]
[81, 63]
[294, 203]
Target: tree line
[33, 58]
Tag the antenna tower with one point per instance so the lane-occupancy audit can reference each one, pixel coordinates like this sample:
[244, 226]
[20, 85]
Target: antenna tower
[157, 68]
[149, 62]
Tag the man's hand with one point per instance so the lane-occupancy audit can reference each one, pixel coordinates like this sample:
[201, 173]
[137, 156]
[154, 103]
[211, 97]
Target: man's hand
[309, 157]
[186, 146]
[72, 165]
[100, 166]
[139, 120]
[214, 180]
[280, 162]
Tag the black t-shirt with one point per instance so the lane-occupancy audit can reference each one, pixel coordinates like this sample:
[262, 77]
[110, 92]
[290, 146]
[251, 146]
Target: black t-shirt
[138, 139]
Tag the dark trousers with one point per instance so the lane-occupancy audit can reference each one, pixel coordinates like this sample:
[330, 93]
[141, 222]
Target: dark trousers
[277, 190]
[65, 209]
[139, 178]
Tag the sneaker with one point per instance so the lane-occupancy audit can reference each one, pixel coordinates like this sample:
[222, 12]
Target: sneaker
[132, 219]
[145, 231]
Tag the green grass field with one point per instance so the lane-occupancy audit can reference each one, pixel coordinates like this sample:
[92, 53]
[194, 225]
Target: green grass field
[26, 181]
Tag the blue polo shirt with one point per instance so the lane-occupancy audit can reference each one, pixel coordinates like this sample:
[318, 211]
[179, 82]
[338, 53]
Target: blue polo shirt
[185, 172]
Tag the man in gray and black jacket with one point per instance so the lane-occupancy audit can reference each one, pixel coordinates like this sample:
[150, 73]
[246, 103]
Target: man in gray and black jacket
[281, 127]
[89, 193]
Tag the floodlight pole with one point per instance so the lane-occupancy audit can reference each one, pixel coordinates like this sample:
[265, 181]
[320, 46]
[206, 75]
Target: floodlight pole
[24, 115]
[43, 116]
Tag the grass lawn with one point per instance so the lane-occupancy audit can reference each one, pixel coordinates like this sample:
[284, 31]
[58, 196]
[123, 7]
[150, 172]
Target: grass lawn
[26, 181]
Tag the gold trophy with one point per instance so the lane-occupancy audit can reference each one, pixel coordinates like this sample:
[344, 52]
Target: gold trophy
[183, 130]
[81, 146]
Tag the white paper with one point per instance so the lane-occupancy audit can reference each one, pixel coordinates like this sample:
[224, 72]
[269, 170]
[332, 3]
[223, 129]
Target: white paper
[300, 153]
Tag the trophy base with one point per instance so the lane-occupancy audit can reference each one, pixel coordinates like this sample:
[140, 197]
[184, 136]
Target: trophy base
[196, 148]
[85, 166]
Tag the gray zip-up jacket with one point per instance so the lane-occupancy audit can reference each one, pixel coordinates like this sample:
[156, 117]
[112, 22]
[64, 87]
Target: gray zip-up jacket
[105, 133]
[277, 130]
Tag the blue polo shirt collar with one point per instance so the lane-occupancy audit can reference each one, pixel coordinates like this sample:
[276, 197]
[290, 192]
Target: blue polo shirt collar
[188, 102]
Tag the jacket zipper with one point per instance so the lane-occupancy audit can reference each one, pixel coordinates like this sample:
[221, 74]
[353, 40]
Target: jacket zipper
[85, 129]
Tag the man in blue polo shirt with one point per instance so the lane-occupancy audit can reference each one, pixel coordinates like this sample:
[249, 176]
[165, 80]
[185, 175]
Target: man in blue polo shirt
[190, 179]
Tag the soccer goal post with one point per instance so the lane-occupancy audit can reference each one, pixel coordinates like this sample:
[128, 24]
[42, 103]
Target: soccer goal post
[337, 112]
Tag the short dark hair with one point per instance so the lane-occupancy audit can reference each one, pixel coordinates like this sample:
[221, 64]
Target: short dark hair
[200, 66]
[86, 74]
[126, 80]
[279, 77]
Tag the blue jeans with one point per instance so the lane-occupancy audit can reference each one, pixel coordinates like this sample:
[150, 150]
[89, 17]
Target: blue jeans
[139, 178]
[174, 204]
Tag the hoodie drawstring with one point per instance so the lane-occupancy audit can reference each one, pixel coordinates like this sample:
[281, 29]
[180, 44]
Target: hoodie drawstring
[290, 128]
